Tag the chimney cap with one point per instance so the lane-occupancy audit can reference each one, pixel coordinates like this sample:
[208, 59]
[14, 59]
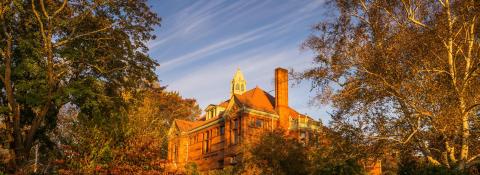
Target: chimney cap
[281, 69]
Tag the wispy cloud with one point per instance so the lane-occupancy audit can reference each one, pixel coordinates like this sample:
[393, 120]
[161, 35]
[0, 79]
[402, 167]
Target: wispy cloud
[274, 28]
[213, 48]
[257, 66]
[191, 18]
[202, 44]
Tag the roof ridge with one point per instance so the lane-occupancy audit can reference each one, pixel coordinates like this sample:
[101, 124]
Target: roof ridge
[257, 98]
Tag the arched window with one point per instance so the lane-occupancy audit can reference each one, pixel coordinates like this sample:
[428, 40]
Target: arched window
[243, 87]
[237, 87]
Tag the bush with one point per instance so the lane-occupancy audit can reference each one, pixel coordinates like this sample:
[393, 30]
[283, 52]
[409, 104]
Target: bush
[191, 169]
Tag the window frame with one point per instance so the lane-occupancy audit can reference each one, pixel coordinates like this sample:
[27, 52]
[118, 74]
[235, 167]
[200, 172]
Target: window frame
[259, 123]
[235, 131]
[222, 130]
[206, 147]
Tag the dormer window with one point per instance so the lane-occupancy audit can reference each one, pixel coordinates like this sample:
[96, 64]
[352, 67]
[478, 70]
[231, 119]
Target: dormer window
[213, 111]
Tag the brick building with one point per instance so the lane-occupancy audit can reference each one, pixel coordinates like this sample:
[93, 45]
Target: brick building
[213, 140]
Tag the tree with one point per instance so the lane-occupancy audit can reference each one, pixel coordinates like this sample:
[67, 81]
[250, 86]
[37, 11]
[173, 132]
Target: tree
[141, 148]
[337, 151]
[146, 143]
[156, 113]
[326, 152]
[405, 74]
[275, 153]
[82, 52]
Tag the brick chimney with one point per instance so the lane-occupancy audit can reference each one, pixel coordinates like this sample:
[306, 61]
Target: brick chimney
[281, 96]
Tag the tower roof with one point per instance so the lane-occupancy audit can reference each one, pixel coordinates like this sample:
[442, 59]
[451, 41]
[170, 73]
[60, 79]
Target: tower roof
[238, 75]
[238, 84]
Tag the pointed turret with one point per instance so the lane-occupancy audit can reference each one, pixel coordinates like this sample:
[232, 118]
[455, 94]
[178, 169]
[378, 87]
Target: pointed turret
[238, 84]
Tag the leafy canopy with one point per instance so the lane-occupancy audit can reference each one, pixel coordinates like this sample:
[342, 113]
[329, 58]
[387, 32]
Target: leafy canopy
[403, 74]
[86, 53]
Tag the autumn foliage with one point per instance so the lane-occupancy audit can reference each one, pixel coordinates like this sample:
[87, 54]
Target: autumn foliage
[141, 148]
[403, 75]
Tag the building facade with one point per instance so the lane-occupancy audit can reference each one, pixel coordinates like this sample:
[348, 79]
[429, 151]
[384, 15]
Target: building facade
[214, 140]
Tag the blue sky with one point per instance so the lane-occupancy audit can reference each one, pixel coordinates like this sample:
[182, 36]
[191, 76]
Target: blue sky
[201, 43]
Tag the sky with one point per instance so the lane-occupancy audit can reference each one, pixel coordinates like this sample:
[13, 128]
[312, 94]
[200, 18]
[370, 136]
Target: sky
[201, 43]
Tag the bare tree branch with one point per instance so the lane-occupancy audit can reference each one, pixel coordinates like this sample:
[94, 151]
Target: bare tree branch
[65, 41]
[64, 4]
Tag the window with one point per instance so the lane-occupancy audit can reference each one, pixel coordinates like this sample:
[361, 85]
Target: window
[243, 87]
[293, 124]
[222, 130]
[235, 124]
[251, 122]
[199, 138]
[237, 87]
[211, 113]
[258, 123]
[235, 132]
[206, 142]
[175, 152]
[234, 139]
[303, 135]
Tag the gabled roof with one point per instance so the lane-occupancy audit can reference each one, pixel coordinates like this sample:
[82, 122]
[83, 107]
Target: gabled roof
[257, 99]
[209, 107]
[224, 104]
[184, 125]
